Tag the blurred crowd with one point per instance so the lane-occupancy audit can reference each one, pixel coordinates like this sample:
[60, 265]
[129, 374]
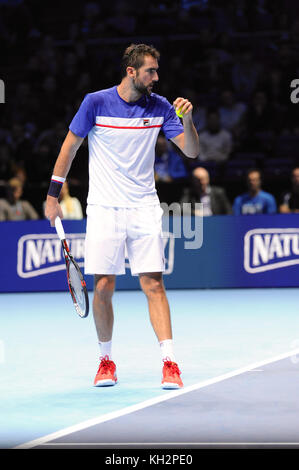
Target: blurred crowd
[234, 60]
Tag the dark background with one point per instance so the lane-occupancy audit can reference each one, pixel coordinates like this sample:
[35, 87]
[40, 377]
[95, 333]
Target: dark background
[54, 52]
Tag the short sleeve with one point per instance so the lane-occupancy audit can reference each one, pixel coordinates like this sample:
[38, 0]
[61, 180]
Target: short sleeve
[172, 125]
[84, 119]
[237, 206]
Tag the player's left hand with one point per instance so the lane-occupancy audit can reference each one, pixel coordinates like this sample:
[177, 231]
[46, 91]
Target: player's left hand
[185, 106]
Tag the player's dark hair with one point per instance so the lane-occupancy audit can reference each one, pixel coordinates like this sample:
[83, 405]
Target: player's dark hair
[134, 56]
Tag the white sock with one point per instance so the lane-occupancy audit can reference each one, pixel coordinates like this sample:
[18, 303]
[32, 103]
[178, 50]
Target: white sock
[105, 348]
[167, 350]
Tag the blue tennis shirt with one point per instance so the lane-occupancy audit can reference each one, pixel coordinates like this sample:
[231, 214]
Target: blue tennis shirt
[121, 139]
[262, 203]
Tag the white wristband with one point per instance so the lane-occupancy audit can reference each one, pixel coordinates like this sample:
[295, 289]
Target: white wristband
[59, 179]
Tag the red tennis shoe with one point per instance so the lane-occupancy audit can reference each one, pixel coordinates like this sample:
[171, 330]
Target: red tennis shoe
[106, 374]
[171, 375]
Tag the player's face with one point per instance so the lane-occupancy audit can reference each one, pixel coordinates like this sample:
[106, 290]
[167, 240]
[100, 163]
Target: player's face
[146, 76]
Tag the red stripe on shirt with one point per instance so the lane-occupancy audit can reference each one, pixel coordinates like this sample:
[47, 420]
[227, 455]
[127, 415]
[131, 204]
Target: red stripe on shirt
[122, 127]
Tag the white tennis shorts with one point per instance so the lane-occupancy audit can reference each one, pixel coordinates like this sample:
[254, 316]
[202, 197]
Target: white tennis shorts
[116, 233]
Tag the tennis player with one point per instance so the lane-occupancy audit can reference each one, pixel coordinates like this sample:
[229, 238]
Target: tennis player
[123, 210]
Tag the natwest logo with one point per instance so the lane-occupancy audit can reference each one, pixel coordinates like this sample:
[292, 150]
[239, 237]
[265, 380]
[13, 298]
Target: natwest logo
[42, 254]
[273, 248]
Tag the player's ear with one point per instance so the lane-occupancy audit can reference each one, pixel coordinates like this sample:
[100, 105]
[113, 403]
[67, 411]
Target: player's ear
[131, 71]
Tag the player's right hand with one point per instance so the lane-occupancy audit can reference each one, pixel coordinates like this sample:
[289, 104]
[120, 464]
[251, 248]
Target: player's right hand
[52, 210]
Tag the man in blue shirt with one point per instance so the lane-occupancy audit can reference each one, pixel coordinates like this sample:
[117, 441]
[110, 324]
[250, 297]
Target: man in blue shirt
[255, 201]
[122, 124]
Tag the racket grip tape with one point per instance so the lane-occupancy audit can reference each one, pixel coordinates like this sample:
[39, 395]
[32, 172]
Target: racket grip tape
[59, 228]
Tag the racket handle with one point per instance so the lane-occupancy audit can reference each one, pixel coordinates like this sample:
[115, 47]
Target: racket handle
[59, 228]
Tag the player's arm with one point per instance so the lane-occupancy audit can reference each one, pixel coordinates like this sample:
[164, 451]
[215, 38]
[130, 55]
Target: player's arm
[62, 166]
[187, 141]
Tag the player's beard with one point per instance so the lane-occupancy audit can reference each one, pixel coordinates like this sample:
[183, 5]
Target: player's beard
[142, 88]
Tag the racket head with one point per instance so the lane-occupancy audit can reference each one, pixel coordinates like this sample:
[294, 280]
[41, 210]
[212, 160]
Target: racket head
[77, 287]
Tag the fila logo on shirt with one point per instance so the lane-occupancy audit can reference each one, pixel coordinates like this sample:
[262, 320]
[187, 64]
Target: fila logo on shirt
[146, 122]
[273, 248]
[42, 254]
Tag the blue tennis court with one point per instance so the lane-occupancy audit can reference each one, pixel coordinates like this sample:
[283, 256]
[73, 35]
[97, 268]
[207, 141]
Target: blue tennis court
[237, 349]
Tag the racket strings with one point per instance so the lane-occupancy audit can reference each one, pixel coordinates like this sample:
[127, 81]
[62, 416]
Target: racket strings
[76, 284]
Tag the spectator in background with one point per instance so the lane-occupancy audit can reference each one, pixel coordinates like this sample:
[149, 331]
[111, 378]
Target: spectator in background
[71, 206]
[161, 160]
[56, 76]
[213, 198]
[5, 212]
[5, 161]
[261, 116]
[290, 199]
[91, 24]
[199, 118]
[255, 201]
[245, 74]
[232, 113]
[19, 172]
[169, 166]
[215, 142]
[19, 208]
[19, 145]
[42, 156]
[123, 20]
[223, 46]
[277, 88]
[52, 139]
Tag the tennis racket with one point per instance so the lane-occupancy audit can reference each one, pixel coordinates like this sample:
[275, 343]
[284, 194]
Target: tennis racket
[76, 283]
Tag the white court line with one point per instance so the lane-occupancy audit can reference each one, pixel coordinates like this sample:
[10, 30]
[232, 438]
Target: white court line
[181, 444]
[152, 401]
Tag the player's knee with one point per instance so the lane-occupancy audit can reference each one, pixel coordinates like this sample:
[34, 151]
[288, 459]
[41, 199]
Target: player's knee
[104, 286]
[153, 287]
